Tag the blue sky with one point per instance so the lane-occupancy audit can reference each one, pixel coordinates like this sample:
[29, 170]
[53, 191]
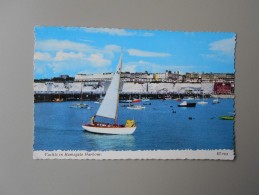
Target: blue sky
[73, 50]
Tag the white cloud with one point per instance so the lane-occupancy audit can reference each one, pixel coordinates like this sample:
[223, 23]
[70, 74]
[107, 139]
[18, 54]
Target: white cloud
[109, 50]
[225, 46]
[38, 70]
[110, 31]
[141, 66]
[57, 45]
[64, 67]
[98, 60]
[72, 49]
[60, 56]
[129, 68]
[93, 70]
[112, 48]
[42, 56]
[117, 32]
[86, 40]
[209, 55]
[56, 67]
[136, 52]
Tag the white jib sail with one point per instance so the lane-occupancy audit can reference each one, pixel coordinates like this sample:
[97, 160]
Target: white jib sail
[109, 105]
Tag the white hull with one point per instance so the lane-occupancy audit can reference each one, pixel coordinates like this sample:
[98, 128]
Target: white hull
[136, 107]
[110, 130]
[125, 101]
[80, 106]
[216, 101]
[189, 98]
[202, 103]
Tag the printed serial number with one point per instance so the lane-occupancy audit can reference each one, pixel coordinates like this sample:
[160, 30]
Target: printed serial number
[222, 153]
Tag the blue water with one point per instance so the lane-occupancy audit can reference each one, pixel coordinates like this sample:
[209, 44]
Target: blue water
[58, 127]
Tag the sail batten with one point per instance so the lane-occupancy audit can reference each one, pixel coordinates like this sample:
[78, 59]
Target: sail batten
[109, 105]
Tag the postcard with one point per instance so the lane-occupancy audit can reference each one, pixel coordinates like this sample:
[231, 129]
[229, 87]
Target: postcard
[106, 93]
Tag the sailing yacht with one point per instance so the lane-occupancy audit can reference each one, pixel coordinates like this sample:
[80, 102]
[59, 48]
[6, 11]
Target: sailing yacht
[216, 101]
[109, 109]
[202, 102]
[81, 104]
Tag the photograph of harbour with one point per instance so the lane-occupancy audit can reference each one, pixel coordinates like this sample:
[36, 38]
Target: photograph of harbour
[104, 93]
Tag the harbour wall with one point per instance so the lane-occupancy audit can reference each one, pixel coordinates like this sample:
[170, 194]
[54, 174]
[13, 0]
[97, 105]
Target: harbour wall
[127, 87]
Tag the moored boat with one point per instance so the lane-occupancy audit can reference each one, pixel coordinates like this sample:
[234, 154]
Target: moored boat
[216, 101]
[125, 101]
[58, 100]
[202, 102]
[136, 100]
[227, 117]
[99, 101]
[187, 104]
[188, 98]
[80, 105]
[178, 99]
[136, 107]
[167, 97]
[145, 99]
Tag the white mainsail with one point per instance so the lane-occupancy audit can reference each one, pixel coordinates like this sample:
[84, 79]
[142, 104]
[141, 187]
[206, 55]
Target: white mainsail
[109, 104]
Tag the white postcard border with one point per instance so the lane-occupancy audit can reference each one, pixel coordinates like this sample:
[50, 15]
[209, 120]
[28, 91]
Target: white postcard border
[136, 155]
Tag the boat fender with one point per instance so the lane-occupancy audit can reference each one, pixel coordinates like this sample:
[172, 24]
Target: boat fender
[130, 123]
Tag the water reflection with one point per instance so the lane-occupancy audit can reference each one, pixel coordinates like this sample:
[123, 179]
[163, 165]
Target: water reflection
[110, 142]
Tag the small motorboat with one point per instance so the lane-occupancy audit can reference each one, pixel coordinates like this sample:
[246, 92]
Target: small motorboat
[188, 98]
[80, 105]
[227, 117]
[178, 99]
[202, 103]
[136, 107]
[99, 101]
[125, 105]
[187, 104]
[136, 100]
[167, 97]
[125, 101]
[216, 101]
